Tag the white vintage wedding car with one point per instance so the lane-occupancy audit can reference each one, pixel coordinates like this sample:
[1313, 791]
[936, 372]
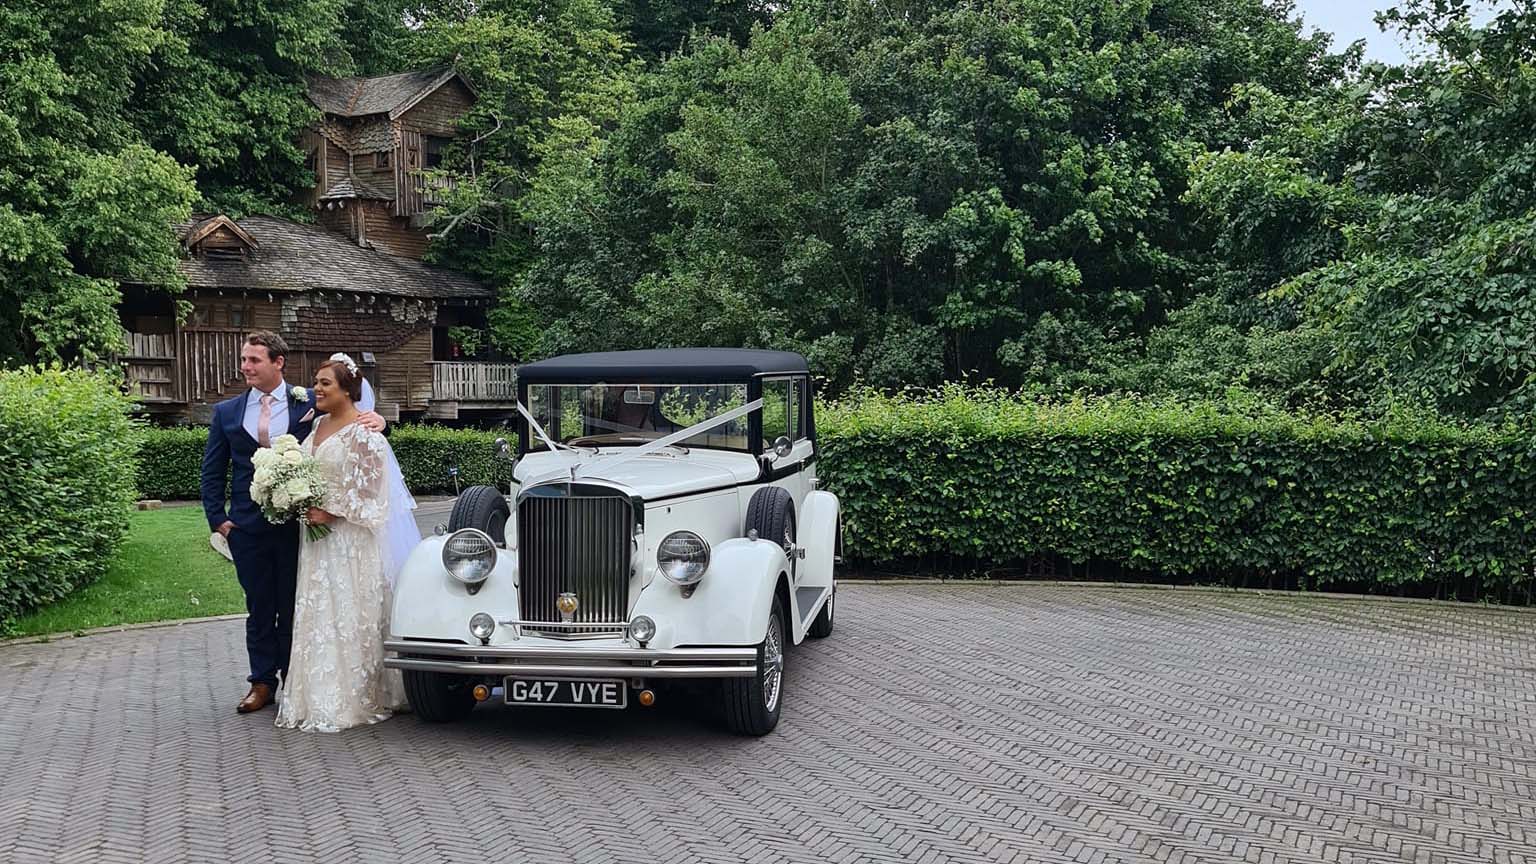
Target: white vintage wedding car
[663, 523]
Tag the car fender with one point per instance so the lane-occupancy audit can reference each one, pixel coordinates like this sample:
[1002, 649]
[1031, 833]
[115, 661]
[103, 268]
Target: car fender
[431, 604]
[729, 606]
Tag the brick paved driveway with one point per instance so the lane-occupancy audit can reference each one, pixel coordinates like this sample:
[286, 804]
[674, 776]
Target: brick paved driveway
[1024, 723]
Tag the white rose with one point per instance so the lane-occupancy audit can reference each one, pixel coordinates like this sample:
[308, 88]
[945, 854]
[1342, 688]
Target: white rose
[299, 394]
[280, 499]
[285, 444]
[293, 457]
[262, 477]
[297, 488]
[263, 458]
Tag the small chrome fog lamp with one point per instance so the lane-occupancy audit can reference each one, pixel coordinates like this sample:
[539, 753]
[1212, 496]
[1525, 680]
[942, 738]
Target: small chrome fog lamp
[642, 629]
[481, 626]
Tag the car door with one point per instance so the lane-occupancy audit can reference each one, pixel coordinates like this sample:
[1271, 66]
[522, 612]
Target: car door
[784, 416]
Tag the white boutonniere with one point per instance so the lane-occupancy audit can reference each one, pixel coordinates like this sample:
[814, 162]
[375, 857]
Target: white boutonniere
[298, 394]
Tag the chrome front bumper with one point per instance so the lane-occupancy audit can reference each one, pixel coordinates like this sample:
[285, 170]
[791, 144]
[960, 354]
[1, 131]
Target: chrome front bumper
[573, 661]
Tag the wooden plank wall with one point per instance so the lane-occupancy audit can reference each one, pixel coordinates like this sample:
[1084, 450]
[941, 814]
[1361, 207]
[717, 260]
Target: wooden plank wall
[337, 161]
[407, 199]
[439, 113]
[405, 374]
[342, 220]
[393, 234]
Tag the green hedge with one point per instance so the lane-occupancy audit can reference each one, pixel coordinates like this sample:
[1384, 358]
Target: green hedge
[171, 459]
[67, 445]
[1182, 490]
[171, 462]
[426, 452]
[1185, 491]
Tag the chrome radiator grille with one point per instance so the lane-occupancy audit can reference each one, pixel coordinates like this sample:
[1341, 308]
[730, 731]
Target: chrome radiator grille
[579, 544]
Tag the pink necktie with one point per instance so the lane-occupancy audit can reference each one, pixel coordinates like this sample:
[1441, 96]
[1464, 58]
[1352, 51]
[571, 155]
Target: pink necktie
[264, 421]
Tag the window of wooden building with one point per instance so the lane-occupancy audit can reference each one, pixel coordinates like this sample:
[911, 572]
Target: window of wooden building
[381, 159]
[435, 147]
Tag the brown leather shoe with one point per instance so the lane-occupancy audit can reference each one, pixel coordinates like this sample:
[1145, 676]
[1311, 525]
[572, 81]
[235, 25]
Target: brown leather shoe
[259, 698]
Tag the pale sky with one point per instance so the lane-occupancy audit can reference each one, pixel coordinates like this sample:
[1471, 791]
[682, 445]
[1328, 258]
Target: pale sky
[1352, 19]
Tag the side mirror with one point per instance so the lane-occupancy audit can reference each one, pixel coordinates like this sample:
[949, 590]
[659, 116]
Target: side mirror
[782, 445]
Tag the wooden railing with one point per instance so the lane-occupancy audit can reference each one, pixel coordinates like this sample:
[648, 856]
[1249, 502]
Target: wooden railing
[474, 382]
[430, 188]
[194, 364]
[150, 366]
[208, 362]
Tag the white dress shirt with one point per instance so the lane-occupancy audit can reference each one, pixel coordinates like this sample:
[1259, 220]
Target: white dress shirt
[279, 422]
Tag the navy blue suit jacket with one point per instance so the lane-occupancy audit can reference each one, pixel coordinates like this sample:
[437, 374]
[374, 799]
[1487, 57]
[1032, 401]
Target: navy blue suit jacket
[229, 444]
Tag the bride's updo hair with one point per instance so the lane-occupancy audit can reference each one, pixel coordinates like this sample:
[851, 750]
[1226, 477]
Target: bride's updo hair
[350, 383]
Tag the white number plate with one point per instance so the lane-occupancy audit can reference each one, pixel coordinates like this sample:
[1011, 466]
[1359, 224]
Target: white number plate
[567, 692]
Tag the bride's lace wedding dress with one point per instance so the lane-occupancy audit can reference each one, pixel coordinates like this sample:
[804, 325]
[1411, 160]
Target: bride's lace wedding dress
[336, 676]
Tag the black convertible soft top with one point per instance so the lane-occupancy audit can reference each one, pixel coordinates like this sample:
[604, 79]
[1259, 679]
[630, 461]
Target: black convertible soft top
[699, 365]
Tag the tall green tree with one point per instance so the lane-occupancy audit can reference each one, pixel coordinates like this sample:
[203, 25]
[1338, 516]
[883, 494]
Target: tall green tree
[659, 28]
[1396, 215]
[910, 191]
[551, 77]
[84, 201]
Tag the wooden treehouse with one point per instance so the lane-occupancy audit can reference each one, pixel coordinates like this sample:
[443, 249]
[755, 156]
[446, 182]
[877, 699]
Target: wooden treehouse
[353, 281]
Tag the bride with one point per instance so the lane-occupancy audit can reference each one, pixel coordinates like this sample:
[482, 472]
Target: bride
[336, 676]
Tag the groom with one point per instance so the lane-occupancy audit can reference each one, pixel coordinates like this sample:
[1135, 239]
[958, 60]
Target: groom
[266, 555]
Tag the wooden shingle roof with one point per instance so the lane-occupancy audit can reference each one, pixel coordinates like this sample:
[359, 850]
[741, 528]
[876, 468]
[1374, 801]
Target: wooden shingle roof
[293, 257]
[352, 186]
[382, 94]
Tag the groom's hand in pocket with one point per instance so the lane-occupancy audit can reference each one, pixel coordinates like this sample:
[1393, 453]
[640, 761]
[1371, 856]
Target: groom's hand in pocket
[227, 527]
[371, 420]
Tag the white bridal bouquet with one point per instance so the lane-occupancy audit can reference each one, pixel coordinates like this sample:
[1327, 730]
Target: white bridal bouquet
[287, 483]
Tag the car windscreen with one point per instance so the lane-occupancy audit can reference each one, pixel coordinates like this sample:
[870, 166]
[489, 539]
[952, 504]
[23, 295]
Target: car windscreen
[623, 415]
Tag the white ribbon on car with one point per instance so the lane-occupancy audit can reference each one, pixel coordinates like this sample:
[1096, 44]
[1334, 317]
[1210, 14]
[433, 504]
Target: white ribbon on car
[654, 446]
[681, 435]
[539, 430]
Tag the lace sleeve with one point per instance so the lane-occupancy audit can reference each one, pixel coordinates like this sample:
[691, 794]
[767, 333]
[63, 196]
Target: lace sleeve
[363, 498]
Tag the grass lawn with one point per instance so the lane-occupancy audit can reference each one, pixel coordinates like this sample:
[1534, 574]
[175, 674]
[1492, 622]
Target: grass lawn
[164, 570]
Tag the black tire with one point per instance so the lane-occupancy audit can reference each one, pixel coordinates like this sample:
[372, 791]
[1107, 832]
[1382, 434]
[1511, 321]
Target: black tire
[771, 513]
[747, 709]
[483, 508]
[821, 628]
[439, 698]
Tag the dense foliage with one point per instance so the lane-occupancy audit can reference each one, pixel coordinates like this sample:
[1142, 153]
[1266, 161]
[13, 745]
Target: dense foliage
[1391, 219]
[83, 200]
[66, 444]
[909, 192]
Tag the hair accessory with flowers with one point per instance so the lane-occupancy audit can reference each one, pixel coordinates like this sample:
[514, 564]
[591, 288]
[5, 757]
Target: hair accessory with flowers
[298, 394]
[346, 361]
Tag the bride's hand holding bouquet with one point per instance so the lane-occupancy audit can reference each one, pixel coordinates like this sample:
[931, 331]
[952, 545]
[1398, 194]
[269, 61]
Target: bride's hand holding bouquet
[289, 485]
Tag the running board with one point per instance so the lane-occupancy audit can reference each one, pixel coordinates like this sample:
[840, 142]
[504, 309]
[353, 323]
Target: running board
[805, 600]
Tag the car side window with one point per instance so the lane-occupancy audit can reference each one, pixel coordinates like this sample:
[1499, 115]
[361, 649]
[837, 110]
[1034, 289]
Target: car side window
[777, 422]
[797, 410]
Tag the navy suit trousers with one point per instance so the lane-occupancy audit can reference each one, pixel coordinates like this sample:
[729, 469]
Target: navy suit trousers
[267, 564]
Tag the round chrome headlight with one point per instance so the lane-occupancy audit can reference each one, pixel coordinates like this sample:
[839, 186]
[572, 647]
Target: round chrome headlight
[683, 556]
[481, 626]
[642, 629]
[469, 556]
